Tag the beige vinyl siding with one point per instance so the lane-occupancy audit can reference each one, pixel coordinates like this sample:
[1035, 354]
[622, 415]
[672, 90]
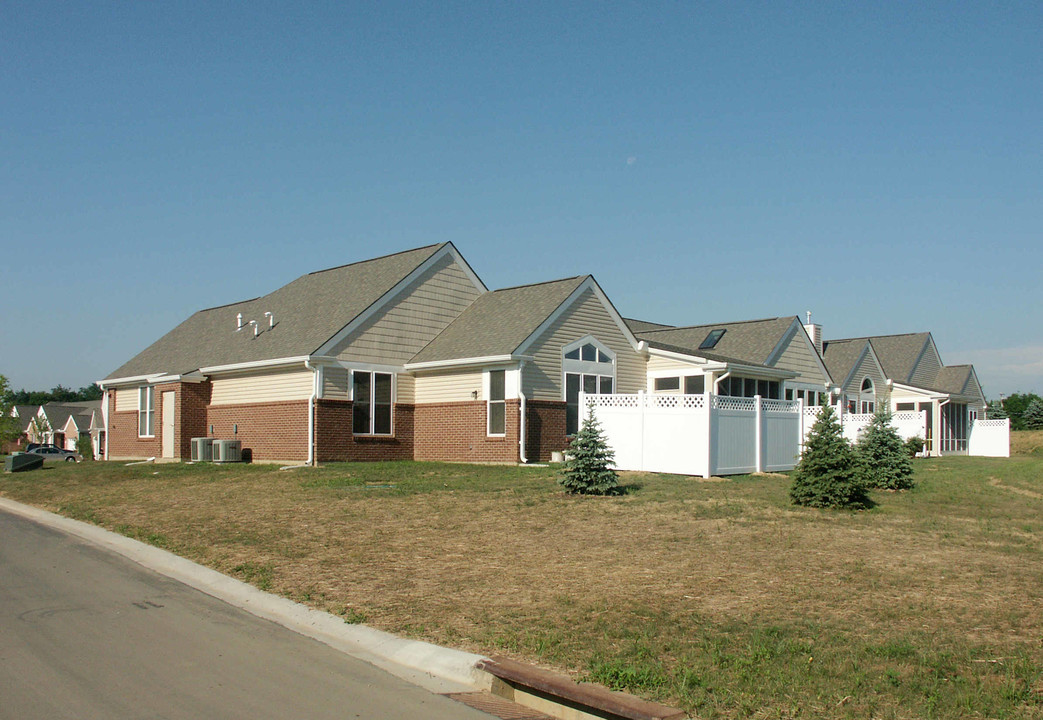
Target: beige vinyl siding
[336, 383]
[413, 319]
[405, 389]
[866, 367]
[449, 386]
[126, 399]
[656, 364]
[797, 357]
[269, 387]
[927, 367]
[586, 316]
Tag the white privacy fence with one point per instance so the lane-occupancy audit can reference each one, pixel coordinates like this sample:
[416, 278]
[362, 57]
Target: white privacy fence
[699, 434]
[908, 423]
[989, 438]
[719, 435]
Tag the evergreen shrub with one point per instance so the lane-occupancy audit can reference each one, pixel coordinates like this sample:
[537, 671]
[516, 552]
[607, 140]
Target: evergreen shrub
[883, 457]
[588, 463]
[827, 475]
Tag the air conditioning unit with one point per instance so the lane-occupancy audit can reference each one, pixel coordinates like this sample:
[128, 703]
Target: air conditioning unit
[202, 449]
[228, 451]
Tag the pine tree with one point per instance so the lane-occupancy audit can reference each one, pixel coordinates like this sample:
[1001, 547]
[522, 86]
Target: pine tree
[883, 458]
[827, 474]
[588, 466]
[1033, 415]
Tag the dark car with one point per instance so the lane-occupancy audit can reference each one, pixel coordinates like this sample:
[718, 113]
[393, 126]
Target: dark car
[53, 452]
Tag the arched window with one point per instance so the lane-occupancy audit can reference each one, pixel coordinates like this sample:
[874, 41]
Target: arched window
[587, 366]
[867, 398]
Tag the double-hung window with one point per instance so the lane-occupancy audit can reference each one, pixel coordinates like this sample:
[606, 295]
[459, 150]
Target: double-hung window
[146, 411]
[496, 404]
[371, 403]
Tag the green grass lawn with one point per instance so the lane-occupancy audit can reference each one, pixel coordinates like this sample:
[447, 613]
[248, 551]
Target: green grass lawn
[717, 596]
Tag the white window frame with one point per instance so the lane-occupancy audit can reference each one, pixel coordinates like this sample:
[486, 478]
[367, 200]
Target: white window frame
[489, 401]
[586, 368]
[147, 410]
[372, 403]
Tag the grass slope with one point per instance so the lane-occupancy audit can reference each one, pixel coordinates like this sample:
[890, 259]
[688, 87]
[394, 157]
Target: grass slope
[718, 596]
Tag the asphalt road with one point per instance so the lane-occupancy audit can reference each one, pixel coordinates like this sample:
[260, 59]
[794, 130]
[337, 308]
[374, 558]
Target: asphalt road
[88, 634]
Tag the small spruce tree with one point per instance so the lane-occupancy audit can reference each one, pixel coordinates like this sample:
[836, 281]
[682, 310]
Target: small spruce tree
[1032, 418]
[588, 465]
[883, 458]
[827, 474]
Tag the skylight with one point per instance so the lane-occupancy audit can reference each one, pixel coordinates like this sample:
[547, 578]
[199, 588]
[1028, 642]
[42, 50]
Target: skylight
[712, 339]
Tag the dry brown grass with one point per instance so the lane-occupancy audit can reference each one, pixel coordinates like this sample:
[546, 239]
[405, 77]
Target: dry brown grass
[685, 577]
[1025, 442]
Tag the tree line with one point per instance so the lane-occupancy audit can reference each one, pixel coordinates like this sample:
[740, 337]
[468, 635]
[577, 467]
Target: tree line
[1025, 411]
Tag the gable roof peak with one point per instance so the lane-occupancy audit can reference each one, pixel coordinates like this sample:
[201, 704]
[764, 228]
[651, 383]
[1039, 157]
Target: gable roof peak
[437, 246]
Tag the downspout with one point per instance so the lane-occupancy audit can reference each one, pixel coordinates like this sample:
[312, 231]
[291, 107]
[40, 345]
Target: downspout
[106, 415]
[717, 382]
[311, 411]
[521, 413]
[938, 419]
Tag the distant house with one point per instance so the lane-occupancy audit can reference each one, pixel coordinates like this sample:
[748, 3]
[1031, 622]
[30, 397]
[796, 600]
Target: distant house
[23, 415]
[774, 358]
[905, 372]
[411, 356]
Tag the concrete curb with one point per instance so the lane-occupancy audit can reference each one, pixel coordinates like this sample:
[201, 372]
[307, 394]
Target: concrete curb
[434, 668]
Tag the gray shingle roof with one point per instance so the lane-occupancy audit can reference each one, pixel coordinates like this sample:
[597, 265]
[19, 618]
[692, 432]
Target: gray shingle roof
[308, 312]
[639, 326]
[498, 322]
[954, 379]
[840, 356]
[898, 353]
[749, 343]
[25, 414]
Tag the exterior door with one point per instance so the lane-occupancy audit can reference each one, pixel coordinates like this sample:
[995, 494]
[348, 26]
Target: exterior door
[168, 423]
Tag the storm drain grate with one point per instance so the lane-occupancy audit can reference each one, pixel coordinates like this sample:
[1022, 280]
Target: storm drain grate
[503, 709]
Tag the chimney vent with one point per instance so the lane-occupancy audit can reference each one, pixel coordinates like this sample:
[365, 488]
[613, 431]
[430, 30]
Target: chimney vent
[815, 333]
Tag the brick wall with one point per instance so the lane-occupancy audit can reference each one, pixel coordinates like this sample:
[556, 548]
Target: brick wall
[457, 431]
[123, 430]
[544, 429]
[335, 442]
[271, 431]
[191, 420]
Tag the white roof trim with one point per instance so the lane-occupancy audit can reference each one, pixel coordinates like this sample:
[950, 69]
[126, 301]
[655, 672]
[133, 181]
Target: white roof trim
[468, 362]
[129, 380]
[589, 283]
[933, 394]
[256, 364]
[683, 357]
[383, 300]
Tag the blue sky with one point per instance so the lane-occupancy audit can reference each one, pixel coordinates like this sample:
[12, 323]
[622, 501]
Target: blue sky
[881, 166]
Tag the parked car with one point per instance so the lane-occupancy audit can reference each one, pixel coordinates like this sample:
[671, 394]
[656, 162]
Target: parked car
[52, 452]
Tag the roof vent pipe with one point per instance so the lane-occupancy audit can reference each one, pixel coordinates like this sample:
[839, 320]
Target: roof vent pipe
[256, 330]
[238, 322]
[271, 320]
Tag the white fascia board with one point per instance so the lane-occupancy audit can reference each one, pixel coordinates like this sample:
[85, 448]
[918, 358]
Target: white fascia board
[257, 364]
[692, 359]
[328, 361]
[589, 283]
[932, 394]
[391, 294]
[129, 380]
[468, 362]
[758, 371]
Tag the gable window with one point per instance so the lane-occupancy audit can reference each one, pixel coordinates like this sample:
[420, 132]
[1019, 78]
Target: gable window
[496, 405]
[371, 406]
[146, 411]
[868, 397]
[590, 367]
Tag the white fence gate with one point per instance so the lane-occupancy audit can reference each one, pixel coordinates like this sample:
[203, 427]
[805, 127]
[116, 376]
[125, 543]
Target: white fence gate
[699, 434]
[989, 438]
